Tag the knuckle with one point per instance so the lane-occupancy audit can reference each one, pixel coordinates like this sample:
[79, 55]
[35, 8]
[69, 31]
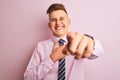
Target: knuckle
[76, 33]
[70, 35]
[85, 39]
[86, 55]
[79, 52]
[72, 50]
[78, 56]
[89, 50]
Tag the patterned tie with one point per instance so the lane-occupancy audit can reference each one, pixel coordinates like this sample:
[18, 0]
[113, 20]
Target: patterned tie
[61, 69]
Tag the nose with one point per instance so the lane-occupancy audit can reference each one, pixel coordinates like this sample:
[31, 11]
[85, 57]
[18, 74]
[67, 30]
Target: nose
[58, 22]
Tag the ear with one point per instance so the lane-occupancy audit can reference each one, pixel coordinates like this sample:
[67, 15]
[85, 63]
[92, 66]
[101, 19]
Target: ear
[49, 25]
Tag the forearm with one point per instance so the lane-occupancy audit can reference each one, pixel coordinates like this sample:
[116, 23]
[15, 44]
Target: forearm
[38, 71]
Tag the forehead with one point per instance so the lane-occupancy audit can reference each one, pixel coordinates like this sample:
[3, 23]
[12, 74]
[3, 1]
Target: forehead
[57, 13]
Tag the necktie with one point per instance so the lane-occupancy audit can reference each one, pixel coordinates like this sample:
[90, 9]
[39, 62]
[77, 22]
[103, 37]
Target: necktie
[61, 68]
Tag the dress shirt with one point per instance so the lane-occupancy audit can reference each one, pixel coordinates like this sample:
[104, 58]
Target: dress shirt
[41, 67]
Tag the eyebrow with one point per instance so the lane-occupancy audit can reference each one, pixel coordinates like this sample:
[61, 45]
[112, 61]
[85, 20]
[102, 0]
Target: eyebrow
[55, 18]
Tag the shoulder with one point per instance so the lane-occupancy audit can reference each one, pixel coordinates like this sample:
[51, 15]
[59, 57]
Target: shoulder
[44, 46]
[43, 43]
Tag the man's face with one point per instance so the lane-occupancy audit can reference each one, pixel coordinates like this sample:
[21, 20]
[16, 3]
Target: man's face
[59, 23]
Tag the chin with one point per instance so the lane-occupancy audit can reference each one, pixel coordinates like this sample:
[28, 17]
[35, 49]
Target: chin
[59, 35]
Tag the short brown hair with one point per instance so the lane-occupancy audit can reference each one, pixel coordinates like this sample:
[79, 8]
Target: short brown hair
[55, 7]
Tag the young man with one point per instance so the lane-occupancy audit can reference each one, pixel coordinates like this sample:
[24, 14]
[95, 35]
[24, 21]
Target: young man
[45, 61]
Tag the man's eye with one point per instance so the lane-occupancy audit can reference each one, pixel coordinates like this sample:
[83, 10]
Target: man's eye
[61, 19]
[52, 20]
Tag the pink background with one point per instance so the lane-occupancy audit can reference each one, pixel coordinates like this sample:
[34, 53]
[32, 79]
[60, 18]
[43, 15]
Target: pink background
[24, 22]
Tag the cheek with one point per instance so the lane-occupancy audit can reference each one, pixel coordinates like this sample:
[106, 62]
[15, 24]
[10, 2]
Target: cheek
[52, 24]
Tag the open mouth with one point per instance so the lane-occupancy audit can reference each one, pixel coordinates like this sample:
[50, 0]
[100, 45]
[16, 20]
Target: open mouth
[59, 27]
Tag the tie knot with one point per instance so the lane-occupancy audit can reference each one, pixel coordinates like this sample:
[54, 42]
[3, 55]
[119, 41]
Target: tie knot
[61, 42]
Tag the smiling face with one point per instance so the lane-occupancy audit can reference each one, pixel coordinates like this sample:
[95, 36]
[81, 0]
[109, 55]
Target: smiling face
[59, 23]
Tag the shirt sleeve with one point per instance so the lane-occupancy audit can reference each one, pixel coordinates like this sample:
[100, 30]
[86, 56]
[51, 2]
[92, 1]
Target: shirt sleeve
[98, 50]
[38, 67]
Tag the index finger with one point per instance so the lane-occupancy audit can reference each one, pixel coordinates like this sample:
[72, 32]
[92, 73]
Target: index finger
[73, 41]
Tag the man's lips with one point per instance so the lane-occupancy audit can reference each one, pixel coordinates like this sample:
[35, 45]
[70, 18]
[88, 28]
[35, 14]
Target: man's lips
[59, 27]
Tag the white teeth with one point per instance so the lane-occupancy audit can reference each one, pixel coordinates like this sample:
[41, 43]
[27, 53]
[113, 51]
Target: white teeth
[59, 27]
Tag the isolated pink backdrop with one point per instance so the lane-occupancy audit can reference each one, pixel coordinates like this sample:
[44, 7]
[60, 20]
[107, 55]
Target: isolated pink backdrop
[23, 23]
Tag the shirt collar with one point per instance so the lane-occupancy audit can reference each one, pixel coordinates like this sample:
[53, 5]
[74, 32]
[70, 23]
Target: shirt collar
[55, 39]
